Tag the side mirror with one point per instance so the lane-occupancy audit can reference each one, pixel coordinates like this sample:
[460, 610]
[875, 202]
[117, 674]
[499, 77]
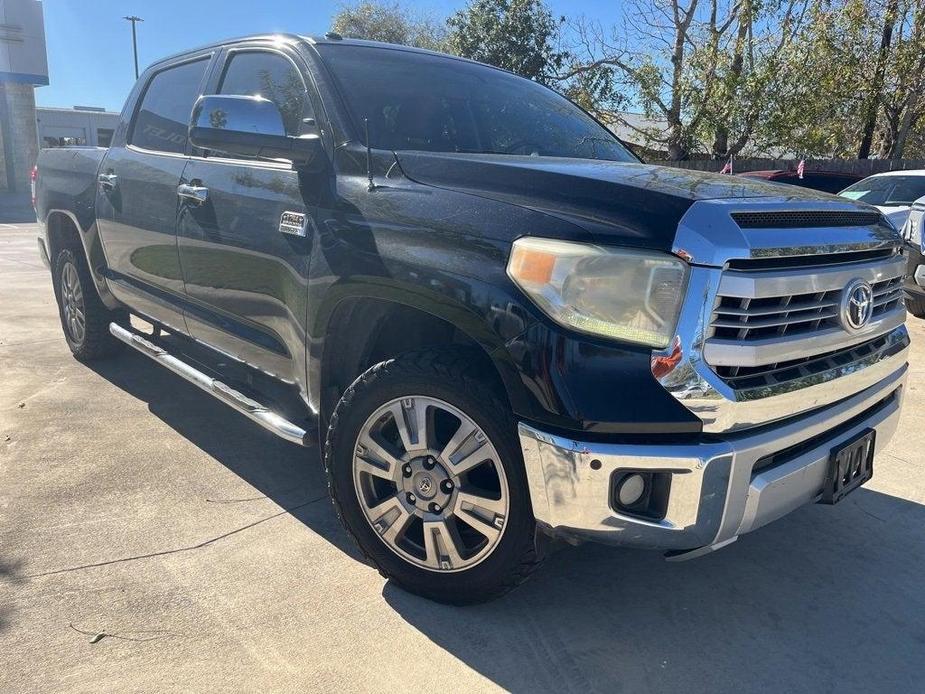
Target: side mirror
[913, 228]
[250, 126]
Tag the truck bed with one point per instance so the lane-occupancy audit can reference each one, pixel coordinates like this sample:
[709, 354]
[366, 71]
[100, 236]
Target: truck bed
[68, 181]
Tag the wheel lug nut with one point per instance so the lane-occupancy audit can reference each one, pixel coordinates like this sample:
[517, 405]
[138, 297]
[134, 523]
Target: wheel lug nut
[446, 486]
[429, 462]
[411, 498]
[435, 508]
[406, 470]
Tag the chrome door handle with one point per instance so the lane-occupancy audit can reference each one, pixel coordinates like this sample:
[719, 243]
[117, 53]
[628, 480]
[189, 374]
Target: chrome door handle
[195, 194]
[107, 180]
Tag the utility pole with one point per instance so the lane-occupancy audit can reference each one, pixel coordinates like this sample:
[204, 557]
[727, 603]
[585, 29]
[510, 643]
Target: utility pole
[133, 19]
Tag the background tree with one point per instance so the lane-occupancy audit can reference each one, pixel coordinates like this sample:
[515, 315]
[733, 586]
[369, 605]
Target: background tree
[390, 23]
[851, 80]
[821, 104]
[904, 81]
[746, 64]
[518, 35]
[875, 87]
[824, 78]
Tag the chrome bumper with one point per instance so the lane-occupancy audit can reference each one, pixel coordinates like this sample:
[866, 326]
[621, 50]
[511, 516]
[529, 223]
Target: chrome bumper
[715, 495]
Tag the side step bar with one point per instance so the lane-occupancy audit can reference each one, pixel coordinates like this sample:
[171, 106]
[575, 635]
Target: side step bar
[243, 404]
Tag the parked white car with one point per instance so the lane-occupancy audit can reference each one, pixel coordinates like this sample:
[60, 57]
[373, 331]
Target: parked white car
[892, 193]
[914, 284]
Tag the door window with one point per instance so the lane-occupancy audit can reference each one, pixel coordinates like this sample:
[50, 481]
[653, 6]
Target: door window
[162, 120]
[104, 137]
[272, 76]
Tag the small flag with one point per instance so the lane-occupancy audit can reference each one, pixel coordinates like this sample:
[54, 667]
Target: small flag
[801, 167]
[727, 169]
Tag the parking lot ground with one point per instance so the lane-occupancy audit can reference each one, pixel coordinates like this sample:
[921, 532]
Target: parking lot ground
[133, 505]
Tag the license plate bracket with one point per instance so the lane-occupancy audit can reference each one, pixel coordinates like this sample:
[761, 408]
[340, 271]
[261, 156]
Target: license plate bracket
[850, 465]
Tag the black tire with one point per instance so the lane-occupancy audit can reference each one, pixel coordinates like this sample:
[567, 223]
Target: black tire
[916, 307]
[452, 376]
[94, 341]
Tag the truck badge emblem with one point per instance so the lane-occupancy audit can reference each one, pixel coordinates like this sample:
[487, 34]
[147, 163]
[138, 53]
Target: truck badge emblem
[292, 223]
[857, 305]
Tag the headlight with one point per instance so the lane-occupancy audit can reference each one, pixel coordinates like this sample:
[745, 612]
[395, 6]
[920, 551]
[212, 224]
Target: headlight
[912, 231]
[616, 293]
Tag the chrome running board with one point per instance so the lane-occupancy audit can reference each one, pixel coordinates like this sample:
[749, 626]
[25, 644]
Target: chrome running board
[228, 395]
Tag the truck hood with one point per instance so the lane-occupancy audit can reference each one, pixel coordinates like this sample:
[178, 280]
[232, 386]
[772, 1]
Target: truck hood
[635, 204]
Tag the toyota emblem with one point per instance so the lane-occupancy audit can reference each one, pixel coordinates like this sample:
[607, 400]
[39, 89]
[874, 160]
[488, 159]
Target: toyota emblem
[857, 305]
[425, 484]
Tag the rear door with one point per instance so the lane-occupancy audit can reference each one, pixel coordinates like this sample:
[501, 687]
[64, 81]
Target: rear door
[137, 200]
[245, 249]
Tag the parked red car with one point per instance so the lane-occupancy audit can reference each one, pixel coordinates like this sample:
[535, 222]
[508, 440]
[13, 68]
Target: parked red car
[826, 181]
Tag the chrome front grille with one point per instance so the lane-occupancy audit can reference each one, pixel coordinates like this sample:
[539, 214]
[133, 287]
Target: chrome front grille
[813, 369]
[746, 319]
[772, 317]
[763, 335]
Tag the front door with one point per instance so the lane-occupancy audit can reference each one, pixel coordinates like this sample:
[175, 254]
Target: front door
[137, 195]
[244, 246]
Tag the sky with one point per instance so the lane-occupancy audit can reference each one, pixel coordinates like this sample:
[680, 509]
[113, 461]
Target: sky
[89, 43]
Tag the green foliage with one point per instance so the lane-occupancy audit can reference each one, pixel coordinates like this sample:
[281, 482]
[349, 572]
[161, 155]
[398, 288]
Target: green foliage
[389, 23]
[517, 35]
[714, 77]
[829, 80]
[595, 90]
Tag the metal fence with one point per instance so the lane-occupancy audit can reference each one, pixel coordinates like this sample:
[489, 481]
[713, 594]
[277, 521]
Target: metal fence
[860, 167]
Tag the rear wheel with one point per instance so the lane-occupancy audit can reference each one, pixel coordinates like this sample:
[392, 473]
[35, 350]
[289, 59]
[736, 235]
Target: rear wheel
[426, 473]
[84, 318]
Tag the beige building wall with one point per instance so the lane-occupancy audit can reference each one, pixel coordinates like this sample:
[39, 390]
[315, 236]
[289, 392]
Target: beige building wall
[19, 149]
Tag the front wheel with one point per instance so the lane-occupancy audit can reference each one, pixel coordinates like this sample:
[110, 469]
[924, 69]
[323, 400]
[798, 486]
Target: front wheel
[426, 474]
[916, 307]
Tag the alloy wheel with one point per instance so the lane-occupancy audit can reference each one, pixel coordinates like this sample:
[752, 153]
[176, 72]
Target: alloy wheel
[430, 483]
[72, 303]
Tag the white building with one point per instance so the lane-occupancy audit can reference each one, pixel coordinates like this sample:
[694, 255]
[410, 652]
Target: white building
[23, 66]
[81, 125]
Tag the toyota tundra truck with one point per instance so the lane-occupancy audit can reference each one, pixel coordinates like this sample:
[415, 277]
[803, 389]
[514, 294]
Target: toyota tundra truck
[499, 327]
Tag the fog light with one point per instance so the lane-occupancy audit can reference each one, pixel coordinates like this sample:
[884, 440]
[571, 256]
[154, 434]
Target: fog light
[640, 493]
[631, 490]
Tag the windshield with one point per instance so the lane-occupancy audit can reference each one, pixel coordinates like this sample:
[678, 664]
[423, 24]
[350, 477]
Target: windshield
[887, 191]
[416, 101]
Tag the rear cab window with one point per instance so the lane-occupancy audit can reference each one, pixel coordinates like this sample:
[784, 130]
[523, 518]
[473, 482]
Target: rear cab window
[161, 121]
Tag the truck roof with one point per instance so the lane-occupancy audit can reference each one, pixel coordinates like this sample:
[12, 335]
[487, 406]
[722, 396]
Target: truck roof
[287, 38]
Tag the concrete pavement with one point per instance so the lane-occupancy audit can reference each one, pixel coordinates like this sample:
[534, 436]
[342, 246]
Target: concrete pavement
[133, 505]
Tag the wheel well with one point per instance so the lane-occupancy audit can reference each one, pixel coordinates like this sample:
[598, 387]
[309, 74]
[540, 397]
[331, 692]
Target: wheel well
[61, 233]
[385, 329]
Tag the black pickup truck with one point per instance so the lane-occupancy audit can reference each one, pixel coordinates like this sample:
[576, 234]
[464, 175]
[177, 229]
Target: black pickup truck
[496, 323]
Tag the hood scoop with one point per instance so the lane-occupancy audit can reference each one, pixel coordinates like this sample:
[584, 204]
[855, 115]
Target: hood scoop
[805, 219]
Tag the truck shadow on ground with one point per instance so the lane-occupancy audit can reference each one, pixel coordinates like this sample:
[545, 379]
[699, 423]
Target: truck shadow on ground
[828, 598]
[289, 475]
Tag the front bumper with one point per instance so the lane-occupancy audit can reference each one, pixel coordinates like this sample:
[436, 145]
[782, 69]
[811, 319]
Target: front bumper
[720, 488]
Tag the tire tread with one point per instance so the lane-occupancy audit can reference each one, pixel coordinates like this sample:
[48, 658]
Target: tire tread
[457, 366]
[98, 342]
